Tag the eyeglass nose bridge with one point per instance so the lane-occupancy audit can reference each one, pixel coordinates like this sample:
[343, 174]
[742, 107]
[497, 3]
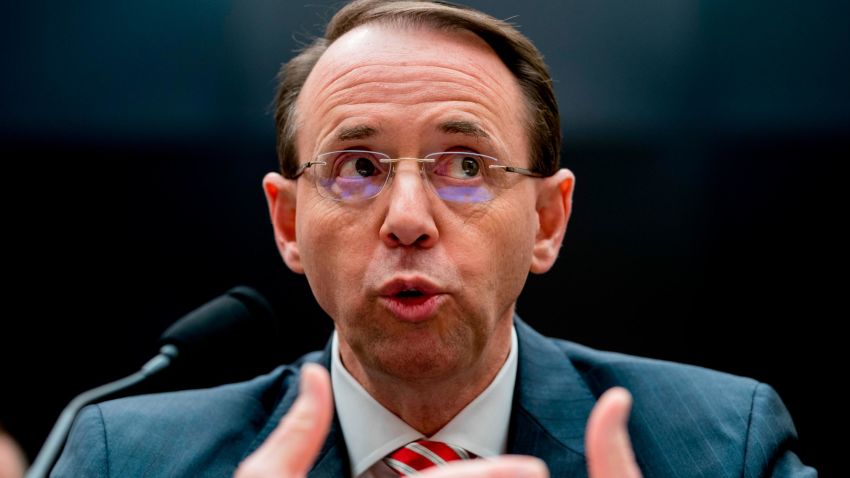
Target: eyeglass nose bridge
[394, 161]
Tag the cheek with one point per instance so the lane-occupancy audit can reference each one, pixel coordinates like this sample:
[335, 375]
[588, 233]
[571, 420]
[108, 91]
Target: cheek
[496, 258]
[512, 252]
[333, 250]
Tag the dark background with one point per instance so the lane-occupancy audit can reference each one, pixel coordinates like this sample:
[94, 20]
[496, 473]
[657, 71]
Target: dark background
[707, 138]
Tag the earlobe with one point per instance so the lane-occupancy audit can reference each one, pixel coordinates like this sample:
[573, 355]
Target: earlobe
[280, 196]
[554, 205]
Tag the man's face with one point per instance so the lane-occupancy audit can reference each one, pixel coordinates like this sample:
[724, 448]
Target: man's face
[416, 286]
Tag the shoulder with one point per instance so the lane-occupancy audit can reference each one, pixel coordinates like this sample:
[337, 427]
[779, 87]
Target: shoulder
[175, 433]
[726, 422]
[671, 400]
[651, 380]
[646, 376]
[257, 395]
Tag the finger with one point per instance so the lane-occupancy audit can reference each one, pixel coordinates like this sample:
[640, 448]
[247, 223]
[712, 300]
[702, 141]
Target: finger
[609, 450]
[291, 448]
[499, 467]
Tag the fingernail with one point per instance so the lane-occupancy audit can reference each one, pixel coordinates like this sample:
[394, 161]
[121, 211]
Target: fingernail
[304, 385]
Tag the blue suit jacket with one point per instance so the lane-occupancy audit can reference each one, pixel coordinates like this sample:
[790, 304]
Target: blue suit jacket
[686, 421]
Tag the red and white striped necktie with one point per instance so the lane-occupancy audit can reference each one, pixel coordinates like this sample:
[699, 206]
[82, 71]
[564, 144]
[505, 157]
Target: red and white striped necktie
[421, 454]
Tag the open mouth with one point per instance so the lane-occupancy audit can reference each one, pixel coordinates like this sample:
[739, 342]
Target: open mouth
[410, 294]
[412, 300]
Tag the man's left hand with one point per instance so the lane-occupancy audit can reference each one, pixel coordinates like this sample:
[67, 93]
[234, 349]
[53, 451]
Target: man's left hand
[609, 450]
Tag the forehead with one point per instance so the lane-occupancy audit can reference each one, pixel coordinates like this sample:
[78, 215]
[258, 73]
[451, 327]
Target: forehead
[380, 75]
[401, 45]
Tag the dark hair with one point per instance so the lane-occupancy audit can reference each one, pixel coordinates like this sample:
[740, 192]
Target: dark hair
[515, 50]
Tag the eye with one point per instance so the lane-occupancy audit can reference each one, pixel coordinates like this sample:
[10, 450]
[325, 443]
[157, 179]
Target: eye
[469, 166]
[357, 165]
[459, 165]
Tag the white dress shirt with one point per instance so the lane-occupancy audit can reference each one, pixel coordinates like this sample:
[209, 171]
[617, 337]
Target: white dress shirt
[372, 432]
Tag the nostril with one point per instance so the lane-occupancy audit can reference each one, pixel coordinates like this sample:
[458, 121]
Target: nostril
[421, 240]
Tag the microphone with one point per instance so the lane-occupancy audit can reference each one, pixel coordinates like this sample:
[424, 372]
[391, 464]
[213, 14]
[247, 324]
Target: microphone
[224, 331]
[241, 320]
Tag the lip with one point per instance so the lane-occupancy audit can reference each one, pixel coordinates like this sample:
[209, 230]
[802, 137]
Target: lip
[411, 309]
[394, 286]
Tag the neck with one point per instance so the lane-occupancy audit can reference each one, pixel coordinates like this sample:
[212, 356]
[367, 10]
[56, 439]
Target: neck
[427, 405]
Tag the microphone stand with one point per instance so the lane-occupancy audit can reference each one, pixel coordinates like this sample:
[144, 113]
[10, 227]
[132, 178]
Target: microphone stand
[56, 440]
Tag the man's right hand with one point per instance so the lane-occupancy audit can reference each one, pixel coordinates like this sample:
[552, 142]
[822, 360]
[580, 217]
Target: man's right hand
[291, 449]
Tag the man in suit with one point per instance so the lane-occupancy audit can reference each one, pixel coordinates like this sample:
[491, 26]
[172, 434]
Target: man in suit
[419, 145]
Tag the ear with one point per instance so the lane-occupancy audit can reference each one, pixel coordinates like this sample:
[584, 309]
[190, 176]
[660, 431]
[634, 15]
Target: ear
[554, 204]
[280, 195]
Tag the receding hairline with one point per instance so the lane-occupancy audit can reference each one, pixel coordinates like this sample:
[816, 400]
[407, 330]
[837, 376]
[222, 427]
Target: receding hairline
[405, 25]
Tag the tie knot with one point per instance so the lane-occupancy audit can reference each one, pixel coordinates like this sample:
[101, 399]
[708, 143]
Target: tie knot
[421, 454]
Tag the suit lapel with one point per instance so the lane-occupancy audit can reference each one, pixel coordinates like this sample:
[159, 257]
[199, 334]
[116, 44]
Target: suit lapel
[332, 460]
[551, 405]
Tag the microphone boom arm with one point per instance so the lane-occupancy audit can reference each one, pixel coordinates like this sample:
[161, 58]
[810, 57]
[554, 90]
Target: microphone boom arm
[56, 440]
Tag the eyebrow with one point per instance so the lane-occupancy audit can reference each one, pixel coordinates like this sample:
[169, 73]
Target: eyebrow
[360, 131]
[466, 128]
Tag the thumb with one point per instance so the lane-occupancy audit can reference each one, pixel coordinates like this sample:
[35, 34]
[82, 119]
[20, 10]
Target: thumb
[292, 447]
[609, 450]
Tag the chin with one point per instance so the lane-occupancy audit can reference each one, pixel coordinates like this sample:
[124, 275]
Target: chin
[418, 365]
[418, 357]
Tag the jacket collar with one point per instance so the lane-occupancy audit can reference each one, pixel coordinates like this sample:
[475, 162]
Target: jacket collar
[332, 460]
[551, 405]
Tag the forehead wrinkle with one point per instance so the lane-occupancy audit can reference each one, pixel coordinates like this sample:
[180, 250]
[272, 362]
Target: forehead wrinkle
[475, 90]
[356, 74]
[498, 141]
[410, 94]
[486, 118]
[336, 107]
[463, 70]
[478, 127]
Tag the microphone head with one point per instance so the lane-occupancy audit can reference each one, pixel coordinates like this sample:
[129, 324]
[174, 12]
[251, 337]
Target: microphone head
[234, 336]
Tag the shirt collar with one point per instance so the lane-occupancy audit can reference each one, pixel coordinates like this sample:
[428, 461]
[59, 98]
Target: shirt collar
[371, 431]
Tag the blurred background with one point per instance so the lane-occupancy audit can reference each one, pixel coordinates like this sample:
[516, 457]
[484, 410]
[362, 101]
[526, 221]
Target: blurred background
[707, 138]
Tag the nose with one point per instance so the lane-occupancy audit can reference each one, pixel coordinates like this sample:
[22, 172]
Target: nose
[409, 219]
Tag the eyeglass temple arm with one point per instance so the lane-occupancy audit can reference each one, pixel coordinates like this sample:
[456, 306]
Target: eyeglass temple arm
[303, 167]
[514, 169]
